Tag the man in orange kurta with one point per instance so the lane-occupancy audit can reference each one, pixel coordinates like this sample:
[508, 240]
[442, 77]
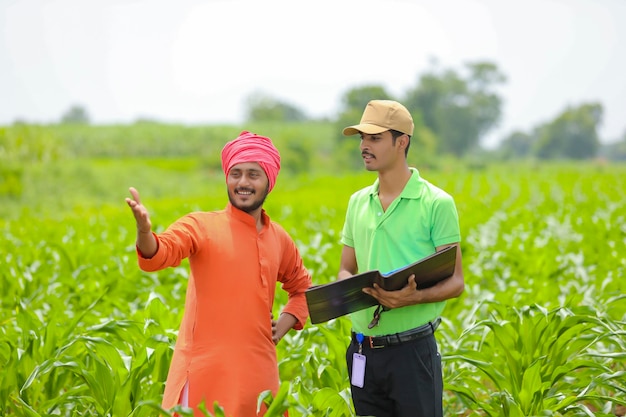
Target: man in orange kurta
[225, 351]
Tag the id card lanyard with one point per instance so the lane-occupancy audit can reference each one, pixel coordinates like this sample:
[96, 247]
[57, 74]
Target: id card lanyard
[358, 359]
[358, 364]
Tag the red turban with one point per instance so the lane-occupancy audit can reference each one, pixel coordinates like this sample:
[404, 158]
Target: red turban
[249, 147]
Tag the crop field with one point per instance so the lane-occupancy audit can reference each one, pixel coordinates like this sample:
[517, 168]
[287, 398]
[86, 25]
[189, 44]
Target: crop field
[539, 331]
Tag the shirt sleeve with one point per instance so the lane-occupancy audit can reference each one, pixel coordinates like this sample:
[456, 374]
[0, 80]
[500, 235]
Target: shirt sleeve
[445, 221]
[347, 237]
[178, 242]
[295, 279]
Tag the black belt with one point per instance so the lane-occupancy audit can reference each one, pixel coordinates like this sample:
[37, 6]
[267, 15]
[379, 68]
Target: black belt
[375, 342]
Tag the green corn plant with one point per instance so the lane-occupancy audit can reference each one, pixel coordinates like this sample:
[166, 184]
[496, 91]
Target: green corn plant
[314, 363]
[539, 330]
[538, 361]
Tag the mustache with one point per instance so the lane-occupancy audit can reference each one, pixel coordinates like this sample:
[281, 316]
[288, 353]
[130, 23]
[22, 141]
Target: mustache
[248, 190]
[367, 154]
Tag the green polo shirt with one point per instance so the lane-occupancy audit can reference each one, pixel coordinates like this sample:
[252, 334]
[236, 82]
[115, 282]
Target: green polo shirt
[421, 218]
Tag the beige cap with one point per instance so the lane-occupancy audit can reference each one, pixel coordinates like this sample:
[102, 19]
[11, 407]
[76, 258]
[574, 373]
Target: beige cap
[382, 115]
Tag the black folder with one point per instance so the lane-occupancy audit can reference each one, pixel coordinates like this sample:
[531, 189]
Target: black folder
[329, 301]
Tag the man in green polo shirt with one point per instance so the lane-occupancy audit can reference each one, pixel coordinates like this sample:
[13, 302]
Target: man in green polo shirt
[393, 359]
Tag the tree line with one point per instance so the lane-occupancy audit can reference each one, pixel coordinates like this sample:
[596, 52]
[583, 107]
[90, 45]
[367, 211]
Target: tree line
[453, 111]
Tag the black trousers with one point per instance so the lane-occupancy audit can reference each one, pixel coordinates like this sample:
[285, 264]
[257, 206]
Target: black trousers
[403, 380]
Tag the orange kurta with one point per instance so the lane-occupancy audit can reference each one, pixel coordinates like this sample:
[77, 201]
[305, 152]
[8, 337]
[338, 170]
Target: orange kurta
[224, 346]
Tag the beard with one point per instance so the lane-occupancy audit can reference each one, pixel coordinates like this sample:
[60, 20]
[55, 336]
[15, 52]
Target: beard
[249, 206]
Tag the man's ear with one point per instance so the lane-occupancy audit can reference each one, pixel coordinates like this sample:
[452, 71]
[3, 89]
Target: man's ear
[404, 141]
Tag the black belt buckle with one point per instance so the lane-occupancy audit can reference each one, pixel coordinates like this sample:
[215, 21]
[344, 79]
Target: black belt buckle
[375, 346]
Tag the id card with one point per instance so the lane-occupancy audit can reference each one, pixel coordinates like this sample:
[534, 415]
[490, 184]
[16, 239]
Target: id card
[358, 370]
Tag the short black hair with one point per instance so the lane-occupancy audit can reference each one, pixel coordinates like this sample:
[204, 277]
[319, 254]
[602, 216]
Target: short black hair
[395, 134]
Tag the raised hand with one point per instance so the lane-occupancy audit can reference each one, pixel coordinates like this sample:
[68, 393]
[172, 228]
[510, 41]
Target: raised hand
[139, 211]
[146, 242]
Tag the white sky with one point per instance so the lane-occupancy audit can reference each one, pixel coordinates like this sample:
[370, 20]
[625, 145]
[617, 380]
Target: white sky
[195, 62]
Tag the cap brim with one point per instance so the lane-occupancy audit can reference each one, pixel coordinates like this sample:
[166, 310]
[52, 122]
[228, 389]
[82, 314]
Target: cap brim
[367, 128]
